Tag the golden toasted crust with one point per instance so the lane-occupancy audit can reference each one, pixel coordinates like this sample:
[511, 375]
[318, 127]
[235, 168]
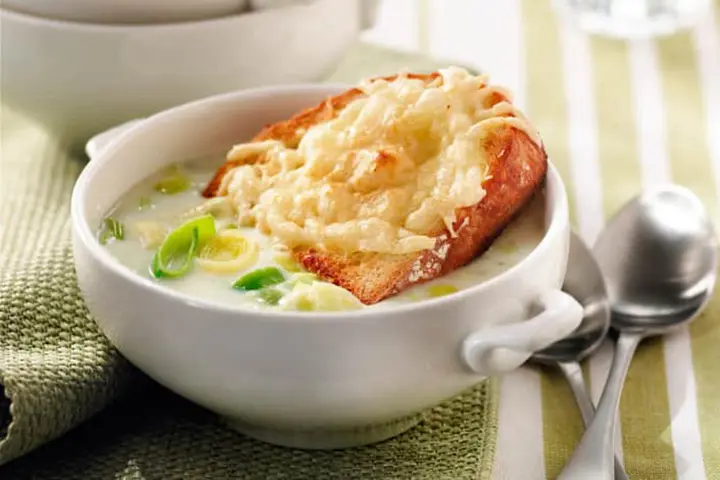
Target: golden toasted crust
[517, 168]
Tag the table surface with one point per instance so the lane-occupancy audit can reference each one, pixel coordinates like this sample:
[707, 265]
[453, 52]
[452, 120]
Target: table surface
[617, 117]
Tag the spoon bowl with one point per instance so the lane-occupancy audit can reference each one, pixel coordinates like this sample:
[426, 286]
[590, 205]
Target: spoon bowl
[664, 274]
[659, 258]
[584, 282]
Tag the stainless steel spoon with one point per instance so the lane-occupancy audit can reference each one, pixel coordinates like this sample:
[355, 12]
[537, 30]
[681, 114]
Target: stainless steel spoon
[584, 281]
[659, 259]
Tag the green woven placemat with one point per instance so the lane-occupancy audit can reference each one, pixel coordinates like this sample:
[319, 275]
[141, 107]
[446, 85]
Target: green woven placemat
[57, 370]
[157, 435]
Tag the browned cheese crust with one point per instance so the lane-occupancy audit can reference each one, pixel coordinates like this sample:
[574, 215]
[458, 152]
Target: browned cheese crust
[517, 170]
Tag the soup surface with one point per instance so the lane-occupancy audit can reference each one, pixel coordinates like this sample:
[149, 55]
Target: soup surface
[165, 230]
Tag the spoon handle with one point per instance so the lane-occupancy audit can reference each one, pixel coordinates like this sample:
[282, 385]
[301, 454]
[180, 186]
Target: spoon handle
[573, 374]
[593, 459]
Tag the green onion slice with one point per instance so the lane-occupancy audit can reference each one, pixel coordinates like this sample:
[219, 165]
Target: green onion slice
[260, 278]
[174, 257]
[111, 229]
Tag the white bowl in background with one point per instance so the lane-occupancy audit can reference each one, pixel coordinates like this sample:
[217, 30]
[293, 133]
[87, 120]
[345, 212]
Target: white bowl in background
[80, 79]
[312, 380]
[127, 11]
[263, 4]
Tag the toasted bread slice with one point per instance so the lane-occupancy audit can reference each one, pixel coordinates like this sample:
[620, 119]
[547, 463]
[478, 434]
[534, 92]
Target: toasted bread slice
[516, 170]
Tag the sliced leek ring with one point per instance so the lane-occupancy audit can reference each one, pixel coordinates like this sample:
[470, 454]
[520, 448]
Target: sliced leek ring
[112, 229]
[227, 252]
[174, 181]
[320, 297]
[330, 297]
[259, 279]
[174, 257]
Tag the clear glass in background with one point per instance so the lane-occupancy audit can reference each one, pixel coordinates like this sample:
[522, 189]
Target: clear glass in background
[633, 18]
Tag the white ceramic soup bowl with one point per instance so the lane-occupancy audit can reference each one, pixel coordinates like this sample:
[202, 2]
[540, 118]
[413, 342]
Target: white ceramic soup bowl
[79, 79]
[312, 380]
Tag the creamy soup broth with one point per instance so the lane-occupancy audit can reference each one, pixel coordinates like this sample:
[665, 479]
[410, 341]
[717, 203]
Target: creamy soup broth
[151, 210]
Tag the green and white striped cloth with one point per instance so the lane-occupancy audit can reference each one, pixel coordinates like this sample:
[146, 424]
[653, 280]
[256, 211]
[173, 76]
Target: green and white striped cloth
[617, 117]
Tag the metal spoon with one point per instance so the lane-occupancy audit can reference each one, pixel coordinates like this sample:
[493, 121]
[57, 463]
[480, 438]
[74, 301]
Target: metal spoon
[659, 259]
[584, 281]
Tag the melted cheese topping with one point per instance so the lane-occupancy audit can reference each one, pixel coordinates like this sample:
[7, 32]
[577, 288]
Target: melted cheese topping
[386, 175]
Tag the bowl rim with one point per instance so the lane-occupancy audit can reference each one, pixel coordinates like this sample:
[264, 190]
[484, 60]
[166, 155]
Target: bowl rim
[83, 232]
[129, 27]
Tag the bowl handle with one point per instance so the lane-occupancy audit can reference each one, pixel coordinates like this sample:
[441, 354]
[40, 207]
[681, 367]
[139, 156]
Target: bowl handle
[99, 142]
[501, 348]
